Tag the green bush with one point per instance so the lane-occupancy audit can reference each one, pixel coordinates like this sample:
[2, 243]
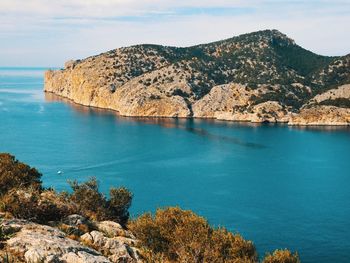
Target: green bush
[119, 203]
[182, 236]
[29, 204]
[15, 174]
[22, 195]
[95, 205]
[87, 196]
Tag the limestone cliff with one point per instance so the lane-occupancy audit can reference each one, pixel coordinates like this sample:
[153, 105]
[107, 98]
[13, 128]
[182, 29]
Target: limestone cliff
[258, 77]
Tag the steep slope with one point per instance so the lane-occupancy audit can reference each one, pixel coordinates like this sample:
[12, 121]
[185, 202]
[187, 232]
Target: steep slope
[261, 76]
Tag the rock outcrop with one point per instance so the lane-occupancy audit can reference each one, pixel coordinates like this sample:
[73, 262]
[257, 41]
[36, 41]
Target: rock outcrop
[130, 99]
[333, 97]
[236, 102]
[321, 115]
[258, 77]
[30, 242]
[329, 108]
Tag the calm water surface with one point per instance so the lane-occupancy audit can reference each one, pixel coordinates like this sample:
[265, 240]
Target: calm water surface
[279, 186]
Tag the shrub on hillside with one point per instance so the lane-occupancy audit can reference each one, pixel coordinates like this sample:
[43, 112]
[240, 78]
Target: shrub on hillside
[29, 204]
[15, 174]
[22, 195]
[120, 202]
[282, 256]
[87, 197]
[95, 205]
[182, 236]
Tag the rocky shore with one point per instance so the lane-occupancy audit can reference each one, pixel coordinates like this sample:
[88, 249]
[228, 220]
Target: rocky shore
[246, 78]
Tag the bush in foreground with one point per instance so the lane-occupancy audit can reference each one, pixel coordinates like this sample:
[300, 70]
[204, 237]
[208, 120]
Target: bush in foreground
[177, 235]
[95, 205]
[29, 204]
[22, 195]
[15, 174]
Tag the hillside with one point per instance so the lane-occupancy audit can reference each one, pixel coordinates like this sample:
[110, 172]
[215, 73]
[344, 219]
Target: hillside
[261, 77]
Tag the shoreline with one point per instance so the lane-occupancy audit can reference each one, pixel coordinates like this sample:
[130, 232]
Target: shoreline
[286, 123]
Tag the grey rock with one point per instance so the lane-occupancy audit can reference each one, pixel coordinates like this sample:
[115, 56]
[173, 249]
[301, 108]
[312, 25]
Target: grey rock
[40, 243]
[75, 220]
[117, 249]
[113, 229]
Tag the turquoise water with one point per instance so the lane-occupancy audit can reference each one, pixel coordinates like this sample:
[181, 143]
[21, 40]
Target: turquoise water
[276, 185]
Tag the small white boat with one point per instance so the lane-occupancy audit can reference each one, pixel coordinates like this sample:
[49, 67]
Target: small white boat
[59, 172]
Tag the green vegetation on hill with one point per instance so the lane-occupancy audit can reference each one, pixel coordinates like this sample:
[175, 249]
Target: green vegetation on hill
[265, 58]
[301, 60]
[171, 235]
[334, 74]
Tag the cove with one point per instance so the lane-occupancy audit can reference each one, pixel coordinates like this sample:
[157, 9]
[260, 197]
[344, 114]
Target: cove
[279, 186]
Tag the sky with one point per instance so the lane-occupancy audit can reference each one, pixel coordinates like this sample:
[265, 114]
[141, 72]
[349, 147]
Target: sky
[49, 32]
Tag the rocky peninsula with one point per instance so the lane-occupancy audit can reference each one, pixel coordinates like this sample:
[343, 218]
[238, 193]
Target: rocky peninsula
[258, 77]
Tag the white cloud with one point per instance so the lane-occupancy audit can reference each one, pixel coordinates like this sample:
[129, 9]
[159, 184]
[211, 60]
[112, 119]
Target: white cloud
[48, 32]
[97, 8]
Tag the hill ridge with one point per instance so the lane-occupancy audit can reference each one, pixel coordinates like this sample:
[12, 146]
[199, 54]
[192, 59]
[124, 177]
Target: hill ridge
[155, 80]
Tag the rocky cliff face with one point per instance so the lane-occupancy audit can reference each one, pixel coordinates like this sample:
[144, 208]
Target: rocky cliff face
[258, 77]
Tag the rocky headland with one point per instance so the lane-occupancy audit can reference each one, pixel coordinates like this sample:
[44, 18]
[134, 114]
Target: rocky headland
[258, 77]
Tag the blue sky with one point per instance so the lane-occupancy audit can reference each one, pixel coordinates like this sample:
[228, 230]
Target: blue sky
[49, 32]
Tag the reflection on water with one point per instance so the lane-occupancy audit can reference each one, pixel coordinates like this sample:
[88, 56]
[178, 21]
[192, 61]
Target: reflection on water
[51, 98]
[183, 123]
[322, 128]
[189, 124]
[211, 136]
[171, 123]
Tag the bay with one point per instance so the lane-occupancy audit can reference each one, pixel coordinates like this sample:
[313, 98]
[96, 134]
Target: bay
[280, 186]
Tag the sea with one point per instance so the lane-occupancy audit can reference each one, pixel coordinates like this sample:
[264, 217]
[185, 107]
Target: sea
[279, 186]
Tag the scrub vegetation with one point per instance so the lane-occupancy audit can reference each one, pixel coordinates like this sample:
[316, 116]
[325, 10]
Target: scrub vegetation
[170, 235]
[22, 195]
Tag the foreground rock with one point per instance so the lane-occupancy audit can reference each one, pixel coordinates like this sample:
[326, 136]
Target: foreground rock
[259, 77]
[31, 242]
[117, 249]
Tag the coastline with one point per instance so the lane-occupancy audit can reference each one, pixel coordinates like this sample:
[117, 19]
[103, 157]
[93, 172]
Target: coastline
[69, 100]
[166, 82]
